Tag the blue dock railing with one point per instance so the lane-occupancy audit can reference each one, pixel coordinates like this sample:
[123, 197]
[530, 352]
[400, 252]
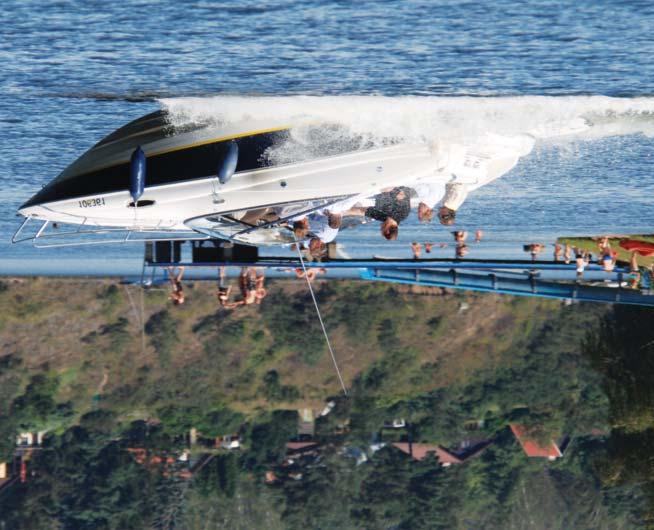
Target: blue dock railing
[496, 282]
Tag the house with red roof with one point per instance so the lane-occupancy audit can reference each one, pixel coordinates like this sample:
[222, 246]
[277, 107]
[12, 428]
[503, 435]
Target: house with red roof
[446, 457]
[297, 449]
[537, 448]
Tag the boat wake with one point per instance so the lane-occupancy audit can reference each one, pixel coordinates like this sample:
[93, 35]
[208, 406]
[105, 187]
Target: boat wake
[370, 120]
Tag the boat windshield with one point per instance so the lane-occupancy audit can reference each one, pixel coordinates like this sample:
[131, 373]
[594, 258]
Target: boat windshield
[261, 226]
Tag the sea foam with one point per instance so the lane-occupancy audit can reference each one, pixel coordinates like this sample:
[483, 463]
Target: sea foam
[472, 121]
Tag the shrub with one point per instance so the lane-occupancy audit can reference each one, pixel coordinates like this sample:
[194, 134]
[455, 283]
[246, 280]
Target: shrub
[162, 329]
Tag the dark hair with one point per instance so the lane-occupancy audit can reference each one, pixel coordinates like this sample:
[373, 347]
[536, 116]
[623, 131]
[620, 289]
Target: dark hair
[391, 233]
[448, 217]
[334, 220]
[317, 248]
[300, 228]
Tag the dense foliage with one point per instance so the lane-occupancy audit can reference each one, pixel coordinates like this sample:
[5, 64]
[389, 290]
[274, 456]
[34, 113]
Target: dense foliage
[575, 371]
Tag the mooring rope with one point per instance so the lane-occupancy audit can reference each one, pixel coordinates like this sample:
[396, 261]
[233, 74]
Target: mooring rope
[315, 303]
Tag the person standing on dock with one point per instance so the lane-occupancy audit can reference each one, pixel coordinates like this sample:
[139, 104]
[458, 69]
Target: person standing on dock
[558, 252]
[581, 260]
[177, 289]
[223, 291]
[260, 291]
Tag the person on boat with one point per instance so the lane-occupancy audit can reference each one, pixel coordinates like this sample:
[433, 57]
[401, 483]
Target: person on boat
[316, 249]
[324, 225]
[301, 229]
[177, 289]
[447, 197]
[391, 208]
[455, 195]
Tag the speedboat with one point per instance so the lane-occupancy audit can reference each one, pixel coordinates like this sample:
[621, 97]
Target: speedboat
[151, 175]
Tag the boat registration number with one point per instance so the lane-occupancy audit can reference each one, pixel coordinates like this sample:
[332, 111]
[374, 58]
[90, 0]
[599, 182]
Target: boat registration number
[90, 203]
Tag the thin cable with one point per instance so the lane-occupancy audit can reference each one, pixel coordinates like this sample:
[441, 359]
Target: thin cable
[142, 318]
[138, 316]
[131, 302]
[315, 303]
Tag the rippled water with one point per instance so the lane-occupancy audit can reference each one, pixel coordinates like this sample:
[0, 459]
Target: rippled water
[74, 71]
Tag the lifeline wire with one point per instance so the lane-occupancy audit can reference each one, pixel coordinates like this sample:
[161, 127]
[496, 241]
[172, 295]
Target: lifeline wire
[138, 316]
[142, 319]
[315, 303]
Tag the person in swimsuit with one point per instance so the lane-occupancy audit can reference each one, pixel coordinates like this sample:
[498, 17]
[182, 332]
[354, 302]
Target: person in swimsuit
[177, 289]
[634, 277]
[607, 259]
[558, 252]
[247, 282]
[260, 291]
[416, 248]
[603, 244]
[223, 292]
[567, 253]
[581, 260]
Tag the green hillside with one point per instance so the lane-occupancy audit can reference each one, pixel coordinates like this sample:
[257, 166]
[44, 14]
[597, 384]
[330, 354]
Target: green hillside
[80, 360]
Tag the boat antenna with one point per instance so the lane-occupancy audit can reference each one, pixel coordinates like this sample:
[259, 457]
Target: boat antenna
[315, 303]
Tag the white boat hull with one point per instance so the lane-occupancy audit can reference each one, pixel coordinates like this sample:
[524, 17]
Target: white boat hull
[361, 172]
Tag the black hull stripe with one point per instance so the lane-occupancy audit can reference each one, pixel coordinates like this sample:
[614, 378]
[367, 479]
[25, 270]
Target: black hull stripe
[184, 164]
